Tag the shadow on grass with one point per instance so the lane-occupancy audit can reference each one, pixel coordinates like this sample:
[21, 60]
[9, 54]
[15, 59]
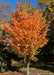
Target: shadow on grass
[44, 66]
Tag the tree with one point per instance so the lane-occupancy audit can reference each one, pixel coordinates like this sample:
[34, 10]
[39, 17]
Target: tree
[5, 11]
[49, 12]
[28, 32]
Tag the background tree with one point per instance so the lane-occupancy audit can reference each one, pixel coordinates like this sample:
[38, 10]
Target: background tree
[28, 32]
[49, 12]
[5, 11]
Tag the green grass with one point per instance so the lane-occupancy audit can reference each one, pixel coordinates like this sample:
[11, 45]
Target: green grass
[25, 69]
[31, 69]
[36, 70]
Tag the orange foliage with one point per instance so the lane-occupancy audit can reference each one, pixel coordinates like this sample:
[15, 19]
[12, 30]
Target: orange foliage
[28, 31]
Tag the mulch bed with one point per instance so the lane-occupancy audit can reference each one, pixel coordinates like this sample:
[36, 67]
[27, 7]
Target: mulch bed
[13, 73]
[24, 73]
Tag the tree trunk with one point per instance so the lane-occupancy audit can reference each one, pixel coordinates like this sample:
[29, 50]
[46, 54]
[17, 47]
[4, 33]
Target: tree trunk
[28, 67]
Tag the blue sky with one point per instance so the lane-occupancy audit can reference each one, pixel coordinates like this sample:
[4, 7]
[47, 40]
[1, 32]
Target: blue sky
[13, 2]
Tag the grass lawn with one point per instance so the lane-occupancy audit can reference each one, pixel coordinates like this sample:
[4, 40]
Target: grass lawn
[38, 68]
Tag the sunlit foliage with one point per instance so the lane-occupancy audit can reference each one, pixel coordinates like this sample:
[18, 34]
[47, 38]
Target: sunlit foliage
[28, 31]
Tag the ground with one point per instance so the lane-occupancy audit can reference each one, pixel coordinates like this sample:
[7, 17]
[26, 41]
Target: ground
[33, 71]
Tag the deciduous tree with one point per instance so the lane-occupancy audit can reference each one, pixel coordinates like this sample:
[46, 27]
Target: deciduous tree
[48, 6]
[28, 31]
